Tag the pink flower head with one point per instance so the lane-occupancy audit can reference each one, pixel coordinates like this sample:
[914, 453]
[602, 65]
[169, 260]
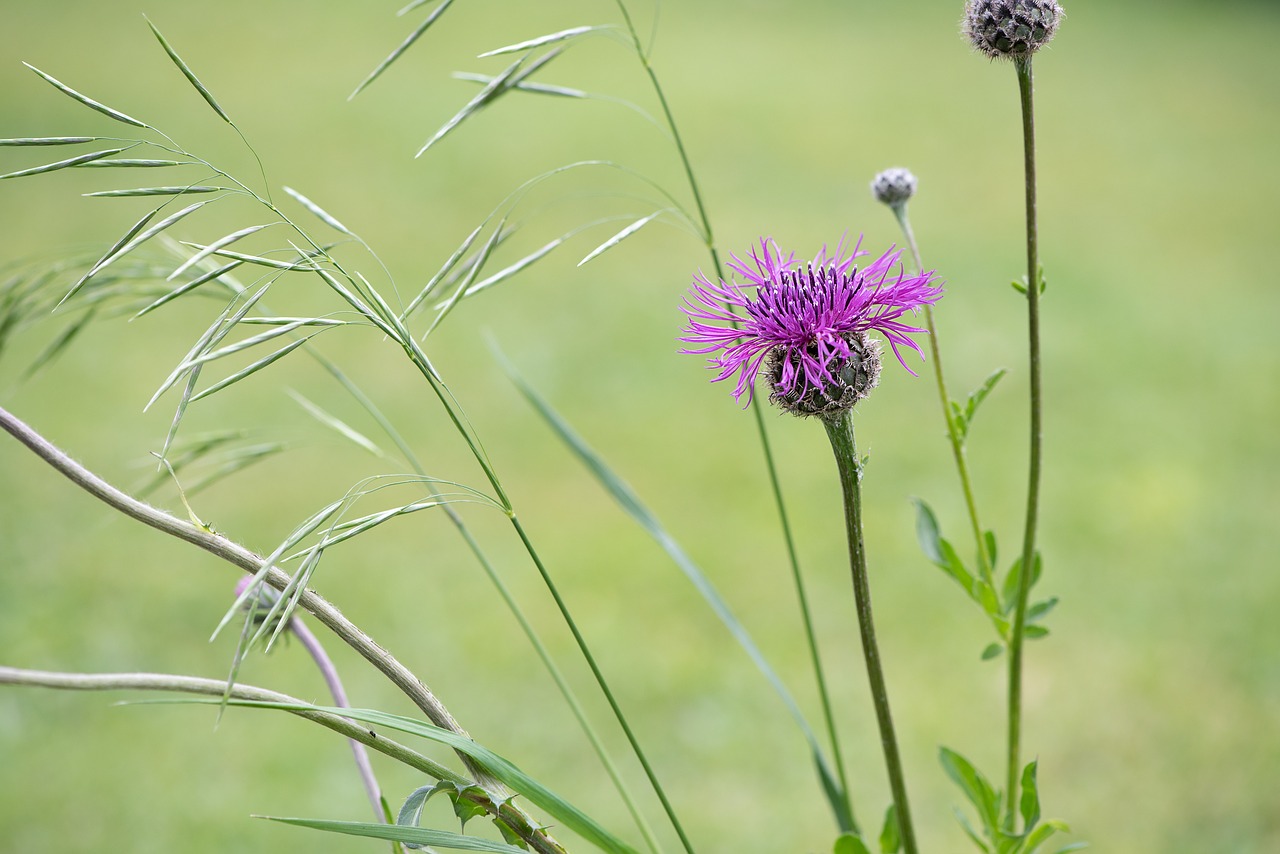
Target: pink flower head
[807, 311]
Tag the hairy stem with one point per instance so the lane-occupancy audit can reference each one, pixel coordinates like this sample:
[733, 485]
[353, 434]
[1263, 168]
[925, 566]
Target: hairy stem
[1023, 67]
[845, 448]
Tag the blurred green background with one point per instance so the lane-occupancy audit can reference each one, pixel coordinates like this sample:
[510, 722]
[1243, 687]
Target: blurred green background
[1154, 707]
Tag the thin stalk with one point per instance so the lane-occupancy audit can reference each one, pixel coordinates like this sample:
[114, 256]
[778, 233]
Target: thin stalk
[845, 448]
[846, 821]
[953, 434]
[325, 665]
[1023, 67]
[491, 571]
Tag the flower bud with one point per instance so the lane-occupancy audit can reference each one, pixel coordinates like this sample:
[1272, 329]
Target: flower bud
[1011, 28]
[851, 379]
[894, 186]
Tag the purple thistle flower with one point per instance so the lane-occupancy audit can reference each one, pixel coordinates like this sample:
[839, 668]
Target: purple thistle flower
[812, 317]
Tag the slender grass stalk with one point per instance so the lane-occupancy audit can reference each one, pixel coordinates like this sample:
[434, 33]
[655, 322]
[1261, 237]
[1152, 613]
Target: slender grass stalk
[985, 566]
[1023, 67]
[844, 446]
[844, 814]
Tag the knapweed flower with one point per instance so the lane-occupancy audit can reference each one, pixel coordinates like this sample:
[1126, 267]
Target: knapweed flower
[806, 324]
[1011, 29]
[894, 186]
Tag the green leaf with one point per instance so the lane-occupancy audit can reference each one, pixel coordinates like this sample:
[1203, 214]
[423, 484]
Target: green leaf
[836, 796]
[1029, 804]
[849, 843]
[61, 342]
[63, 164]
[992, 651]
[969, 831]
[1012, 581]
[891, 833]
[550, 38]
[975, 787]
[189, 74]
[621, 236]
[89, 102]
[927, 532]
[153, 191]
[964, 419]
[340, 427]
[404, 45]
[1041, 834]
[1041, 609]
[1034, 632]
[418, 835]
[989, 538]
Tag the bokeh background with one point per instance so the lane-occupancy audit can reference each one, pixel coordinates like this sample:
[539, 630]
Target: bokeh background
[1154, 706]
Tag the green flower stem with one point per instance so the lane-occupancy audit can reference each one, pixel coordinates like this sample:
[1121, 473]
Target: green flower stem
[845, 448]
[604, 687]
[846, 820]
[1023, 67]
[953, 434]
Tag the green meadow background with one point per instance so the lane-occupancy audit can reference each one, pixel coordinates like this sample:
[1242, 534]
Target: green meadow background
[1154, 705]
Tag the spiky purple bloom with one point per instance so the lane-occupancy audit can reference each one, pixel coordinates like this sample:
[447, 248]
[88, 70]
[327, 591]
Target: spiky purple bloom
[806, 314]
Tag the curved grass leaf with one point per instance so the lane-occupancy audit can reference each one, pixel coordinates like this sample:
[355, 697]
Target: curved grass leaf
[63, 164]
[88, 102]
[550, 38]
[401, 833]
[502, 769]
[153, 191]
[340, 427]
[189, 74]
[632, 506]
[404, 45]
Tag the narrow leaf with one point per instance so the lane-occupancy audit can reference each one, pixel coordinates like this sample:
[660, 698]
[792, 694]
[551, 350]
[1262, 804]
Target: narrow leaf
[849, 843]
[340, 427]
[621, 236]
[631, 504]
[61, 342]
[891, 834]
[88, 102]
[927, 531]
[975, 788]
[977, 397]
[404, 45]
[153, 191]
[992, 651]
[1040, 610]
[188, 73]
[550, 38]
[1029, 804]
[212, 248]
[323, 215]
[400, 833]
[63, 164]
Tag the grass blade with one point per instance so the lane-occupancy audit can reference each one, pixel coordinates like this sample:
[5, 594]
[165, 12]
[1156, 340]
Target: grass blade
[212, 248]
[631, 504]
[135, 163]
[89, 102]
[550, 38]
[189, 74]
[62, 164]
[402, 833]
[49, 140]
[621, 236]
[320, 213]
[340, 427]
[153, 191]
[404, 45]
